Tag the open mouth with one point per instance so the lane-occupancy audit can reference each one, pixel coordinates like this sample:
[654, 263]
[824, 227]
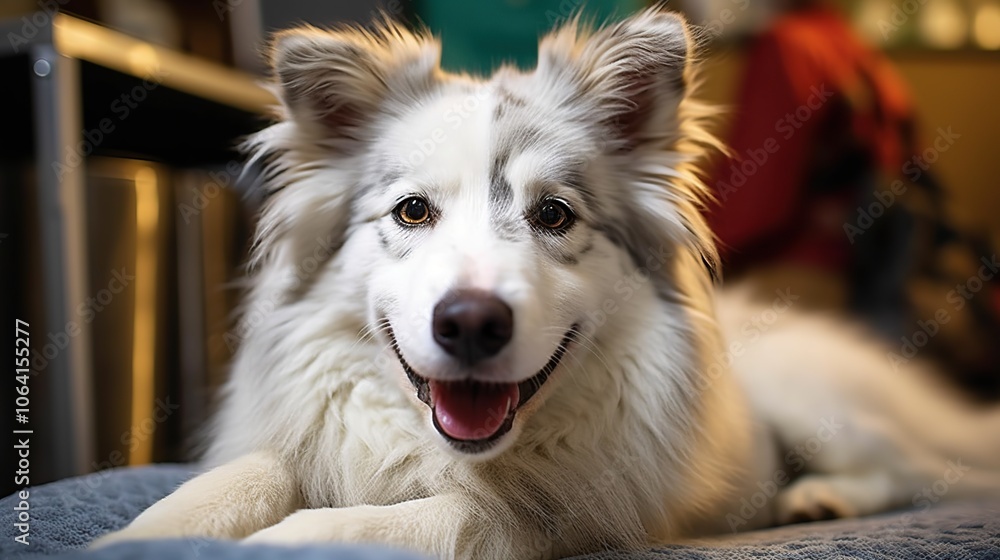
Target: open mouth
[473, 415]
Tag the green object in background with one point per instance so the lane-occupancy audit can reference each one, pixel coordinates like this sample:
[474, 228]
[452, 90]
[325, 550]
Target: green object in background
[478, 36]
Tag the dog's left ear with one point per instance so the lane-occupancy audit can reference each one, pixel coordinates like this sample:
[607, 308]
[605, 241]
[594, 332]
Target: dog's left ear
[632, 75]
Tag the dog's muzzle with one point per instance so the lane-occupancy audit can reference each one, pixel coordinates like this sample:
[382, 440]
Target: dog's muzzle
[473, 415]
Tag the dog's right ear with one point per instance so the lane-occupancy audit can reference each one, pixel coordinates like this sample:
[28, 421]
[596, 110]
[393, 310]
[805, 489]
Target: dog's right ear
[340, 79]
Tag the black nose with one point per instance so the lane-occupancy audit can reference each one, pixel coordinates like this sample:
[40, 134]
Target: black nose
[472, 325]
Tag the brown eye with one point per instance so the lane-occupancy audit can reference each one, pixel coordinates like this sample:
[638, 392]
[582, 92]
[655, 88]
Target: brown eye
[413, 211]
[554, 214]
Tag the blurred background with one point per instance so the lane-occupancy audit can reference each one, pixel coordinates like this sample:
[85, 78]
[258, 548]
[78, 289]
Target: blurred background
[863, 177]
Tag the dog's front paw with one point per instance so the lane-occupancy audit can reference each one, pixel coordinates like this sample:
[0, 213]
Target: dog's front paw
[812, 499]
[350, 525]
[426, 525]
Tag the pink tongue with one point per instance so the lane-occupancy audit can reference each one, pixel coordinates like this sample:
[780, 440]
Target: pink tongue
[472, 411]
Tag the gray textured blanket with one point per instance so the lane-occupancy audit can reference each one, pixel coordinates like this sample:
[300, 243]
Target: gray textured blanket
[64, 516]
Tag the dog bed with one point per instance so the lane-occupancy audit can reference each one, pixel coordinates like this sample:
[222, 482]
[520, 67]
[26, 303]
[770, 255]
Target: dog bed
[64, 516]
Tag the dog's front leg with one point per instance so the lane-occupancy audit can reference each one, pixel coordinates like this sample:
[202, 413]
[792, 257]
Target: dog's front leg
[428, 525]
[228, 502]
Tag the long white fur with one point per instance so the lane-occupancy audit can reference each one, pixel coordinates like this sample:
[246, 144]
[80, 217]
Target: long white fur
[635, 438]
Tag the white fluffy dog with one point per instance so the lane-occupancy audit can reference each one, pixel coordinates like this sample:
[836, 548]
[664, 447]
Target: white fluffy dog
[483, 324]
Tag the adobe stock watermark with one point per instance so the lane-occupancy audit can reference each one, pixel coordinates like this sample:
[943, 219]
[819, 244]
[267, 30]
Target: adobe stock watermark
[929, 495]
[132, 438]
[566, 10]
[33, 23]
[743, 168]
[726, 17]
[901, 13]
[455, 115]
[626, 288]
[933, 492]
[201, 198]
[913, 169]
[795, 462]
[263, 306]
[122, 108]
[929, 327]
[750, 331]
[87, 312]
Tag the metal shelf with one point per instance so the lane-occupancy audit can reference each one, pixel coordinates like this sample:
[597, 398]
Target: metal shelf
[198, 110]
[75, 38]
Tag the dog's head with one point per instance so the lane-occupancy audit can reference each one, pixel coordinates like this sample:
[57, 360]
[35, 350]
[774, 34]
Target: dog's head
[493, 219]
